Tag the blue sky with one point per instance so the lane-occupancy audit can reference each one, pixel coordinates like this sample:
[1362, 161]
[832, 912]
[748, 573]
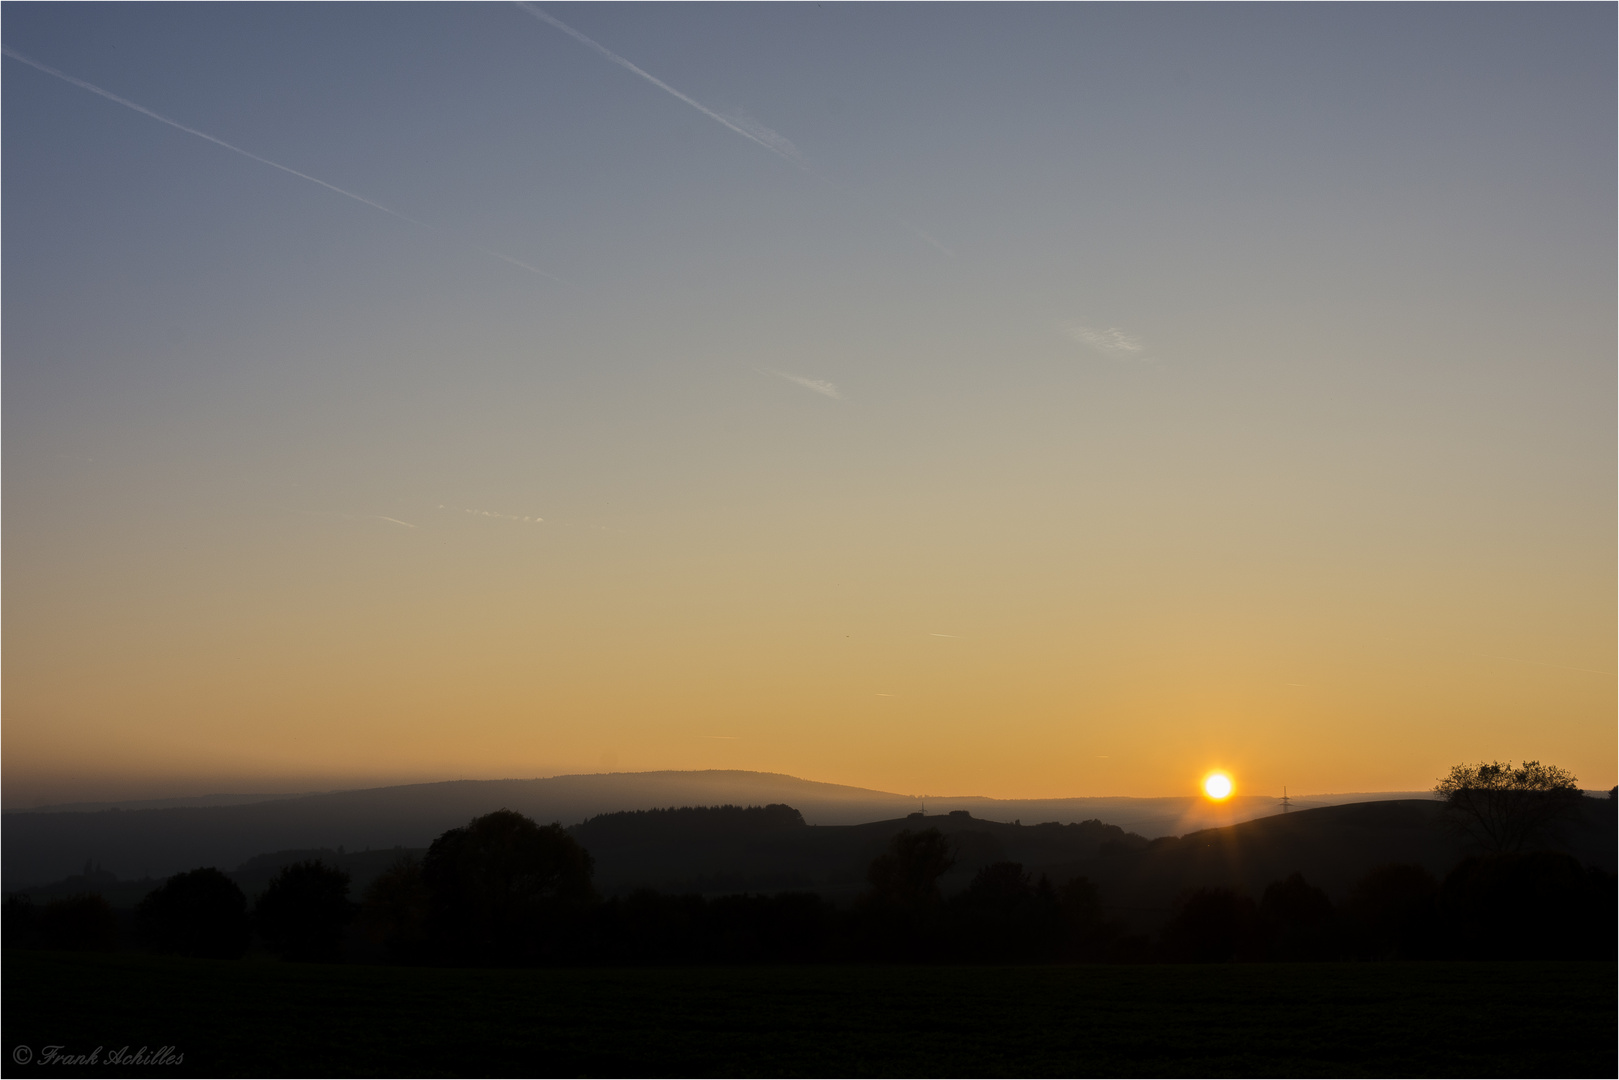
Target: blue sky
[1167, 351]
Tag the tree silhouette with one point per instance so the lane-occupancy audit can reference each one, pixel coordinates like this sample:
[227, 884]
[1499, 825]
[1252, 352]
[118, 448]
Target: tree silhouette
[1395, 913]
[1538, 905]
[302, 913]
[21, 922]
[1085, 934]
[503, 889]
[1000, 888]
[394, 914]
[84, 922]
[906, 876]
[1505, 809]
[198, 913]
[900, 917]
[1297, 920]
[1211, 926]
[1002, 916]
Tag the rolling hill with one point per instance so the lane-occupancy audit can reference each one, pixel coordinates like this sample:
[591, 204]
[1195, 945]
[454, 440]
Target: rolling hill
[47, 844]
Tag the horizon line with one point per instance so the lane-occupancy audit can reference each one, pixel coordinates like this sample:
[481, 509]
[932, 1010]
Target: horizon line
[269, 796]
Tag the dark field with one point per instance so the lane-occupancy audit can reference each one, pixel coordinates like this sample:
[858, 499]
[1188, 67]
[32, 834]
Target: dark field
[264, 1018]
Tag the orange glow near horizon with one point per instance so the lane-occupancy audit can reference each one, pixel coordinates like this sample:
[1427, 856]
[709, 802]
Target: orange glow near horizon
[722, 469]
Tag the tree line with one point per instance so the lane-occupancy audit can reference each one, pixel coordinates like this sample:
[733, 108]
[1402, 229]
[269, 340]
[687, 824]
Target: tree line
[504, 891]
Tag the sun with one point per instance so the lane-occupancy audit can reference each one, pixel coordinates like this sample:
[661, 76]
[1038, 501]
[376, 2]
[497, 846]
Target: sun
[1217, 786]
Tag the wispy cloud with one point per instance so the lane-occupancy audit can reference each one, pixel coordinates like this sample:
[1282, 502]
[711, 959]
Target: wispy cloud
[927, 238]
[944, 635]
[746, 127]
[820, 386]
[531, 519]
[160, 118]
[1112, 341]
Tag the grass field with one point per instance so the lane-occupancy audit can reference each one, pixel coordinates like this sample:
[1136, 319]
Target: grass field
[255, 1018]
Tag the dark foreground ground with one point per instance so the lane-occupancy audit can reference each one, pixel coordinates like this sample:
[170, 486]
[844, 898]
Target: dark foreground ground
[250, 1018]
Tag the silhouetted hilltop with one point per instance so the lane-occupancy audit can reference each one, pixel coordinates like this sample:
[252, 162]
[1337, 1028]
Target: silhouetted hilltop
[709, 850]
[49, 844]
[45, 845]
[731, 849]
[685, 822]
[646, 851]
[696, 848]
[1333, 847]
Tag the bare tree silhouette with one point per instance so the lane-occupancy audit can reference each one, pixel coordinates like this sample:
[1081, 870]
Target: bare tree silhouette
[1504, 809]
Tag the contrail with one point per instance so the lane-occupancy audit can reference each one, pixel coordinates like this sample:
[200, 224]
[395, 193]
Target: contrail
[766, 138]
[160, 118]
[927, 239]
[357, 517]
[748, 128]
[520, 264]
[820, 386]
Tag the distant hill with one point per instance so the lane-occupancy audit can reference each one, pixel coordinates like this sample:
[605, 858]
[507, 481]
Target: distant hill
[49, 844]
[1139, 879]
[1333, 847]
[732, 849]
[832, 859]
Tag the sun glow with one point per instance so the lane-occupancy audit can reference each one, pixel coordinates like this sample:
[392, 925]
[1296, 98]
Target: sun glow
[1217, 786]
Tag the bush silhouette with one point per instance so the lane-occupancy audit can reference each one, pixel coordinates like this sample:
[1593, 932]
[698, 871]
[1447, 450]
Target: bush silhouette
[394, 913]
[1540, 905]
[303, 912]
[21, 927]
[786, 928]
[1298, 921]
[1005, 917]
[79, 923]
[1395, 915]
[906, 876]
[649, 927]
[1211, 926]
[1083, 932]
[504, 890]
[198, 913]
[1000, 888]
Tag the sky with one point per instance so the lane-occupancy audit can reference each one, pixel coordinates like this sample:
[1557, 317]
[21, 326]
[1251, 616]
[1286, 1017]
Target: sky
[1023, 401]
